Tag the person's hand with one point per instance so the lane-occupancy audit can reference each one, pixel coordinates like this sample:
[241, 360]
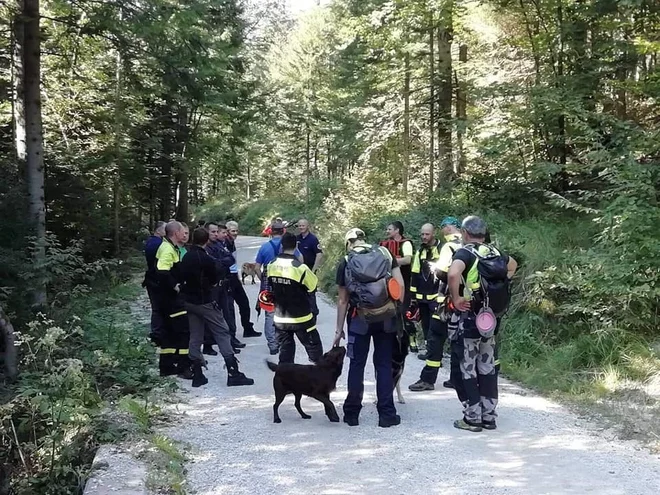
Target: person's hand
[461, 304]
[339, 334]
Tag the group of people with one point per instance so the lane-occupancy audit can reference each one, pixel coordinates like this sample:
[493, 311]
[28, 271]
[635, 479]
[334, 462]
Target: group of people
[456, 288]
[193, 289]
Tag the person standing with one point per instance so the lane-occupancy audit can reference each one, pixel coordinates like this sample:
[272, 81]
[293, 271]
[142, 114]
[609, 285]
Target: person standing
[199, 276]
[424, 283]
[217, 249]
[175, 338]
[151, 278]
[237, 291]
[439, 320]
[402, 249]
[183, 248]
[266, 254]
[364, 322]
[309, 246]
[476, 350]
[293, 285]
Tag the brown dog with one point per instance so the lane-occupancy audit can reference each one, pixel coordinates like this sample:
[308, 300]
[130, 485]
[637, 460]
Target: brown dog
[315, 381]
[247, 270]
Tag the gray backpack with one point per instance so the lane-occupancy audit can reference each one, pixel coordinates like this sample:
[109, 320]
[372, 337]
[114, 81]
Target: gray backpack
[368, 270]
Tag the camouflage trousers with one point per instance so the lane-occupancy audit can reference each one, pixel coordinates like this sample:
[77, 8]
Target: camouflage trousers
[477, 367]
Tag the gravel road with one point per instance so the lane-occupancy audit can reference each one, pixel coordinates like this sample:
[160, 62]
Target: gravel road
[539, 448]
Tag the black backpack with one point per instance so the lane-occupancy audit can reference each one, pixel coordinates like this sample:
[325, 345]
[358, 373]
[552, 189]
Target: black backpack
[368, 271]
[495, 286]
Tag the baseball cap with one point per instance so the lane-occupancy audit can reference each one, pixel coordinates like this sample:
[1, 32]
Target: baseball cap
[277, 225]
[353, 234]
[450, 221]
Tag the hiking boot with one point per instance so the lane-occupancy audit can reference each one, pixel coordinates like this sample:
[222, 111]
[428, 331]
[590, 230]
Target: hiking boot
[237, 344]
[198, 376]
[421, 386]
[413, 348]
[234, 377]
[186, 374]
[489, 425]
[462, 424]
[274, 352]
[448, 384]
[168, 371]
[422, 356]
[208, 350]
[250, 332]
[387, 422]
[351, 420]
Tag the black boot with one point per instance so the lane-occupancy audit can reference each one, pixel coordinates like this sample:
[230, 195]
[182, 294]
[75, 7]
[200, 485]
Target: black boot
[208, 349]
[185, 367]
[198, 376]
[250, 332]
[237, 344]
[234, 377]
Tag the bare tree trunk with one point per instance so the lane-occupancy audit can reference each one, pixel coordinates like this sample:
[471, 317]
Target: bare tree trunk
[461, 108]
[34, 137]
[445, 97]
[11, 352]
[248, 182]
[432, 82]
[406, 123]
[116, 187]
[183, 135]
[18, 75]
[307, 164]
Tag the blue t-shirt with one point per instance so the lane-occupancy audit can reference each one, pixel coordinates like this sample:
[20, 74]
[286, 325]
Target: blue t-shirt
[269, 251]
[309, 247]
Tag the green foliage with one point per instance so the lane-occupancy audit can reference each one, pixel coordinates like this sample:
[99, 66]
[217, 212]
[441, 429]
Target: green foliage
[72, 369]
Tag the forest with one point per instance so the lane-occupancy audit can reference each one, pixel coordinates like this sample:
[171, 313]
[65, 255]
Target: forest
[540, 115]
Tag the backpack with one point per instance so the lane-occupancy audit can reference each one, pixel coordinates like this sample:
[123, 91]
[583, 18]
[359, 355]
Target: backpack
[394, 247]
[495, 286]
[368, 271]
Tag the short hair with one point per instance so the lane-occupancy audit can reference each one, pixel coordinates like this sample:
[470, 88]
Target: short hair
[200, 236]
[474, 226]
[208, 225]
[232, 225]
[221, 226]
[184, 225]
[160, 225]
[397, 225]
[172, 228]
[277, 231]
[289, 242]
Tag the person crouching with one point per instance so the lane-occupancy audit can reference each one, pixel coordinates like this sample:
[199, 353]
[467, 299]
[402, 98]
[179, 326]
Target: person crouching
[199, 275]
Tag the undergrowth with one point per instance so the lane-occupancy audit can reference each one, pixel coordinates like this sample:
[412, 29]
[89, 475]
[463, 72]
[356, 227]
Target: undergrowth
[88, 376]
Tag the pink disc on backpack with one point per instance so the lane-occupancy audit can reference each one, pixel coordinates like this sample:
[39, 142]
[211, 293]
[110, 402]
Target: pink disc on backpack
[486, 322]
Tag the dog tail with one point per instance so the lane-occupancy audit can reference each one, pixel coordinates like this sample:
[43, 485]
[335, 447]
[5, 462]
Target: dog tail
[272, 366]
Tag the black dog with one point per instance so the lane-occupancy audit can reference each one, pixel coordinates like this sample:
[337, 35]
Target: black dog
[315, 381]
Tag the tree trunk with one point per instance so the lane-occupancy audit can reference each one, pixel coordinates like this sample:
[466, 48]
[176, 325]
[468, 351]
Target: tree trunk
[432, 83]
[445, 97]
[183, 136]
[10, 356]
[461, 108]
[248, 182]
[116, 188]
[406, 123]
[34, 138]
[18, 100]
[307, 165]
